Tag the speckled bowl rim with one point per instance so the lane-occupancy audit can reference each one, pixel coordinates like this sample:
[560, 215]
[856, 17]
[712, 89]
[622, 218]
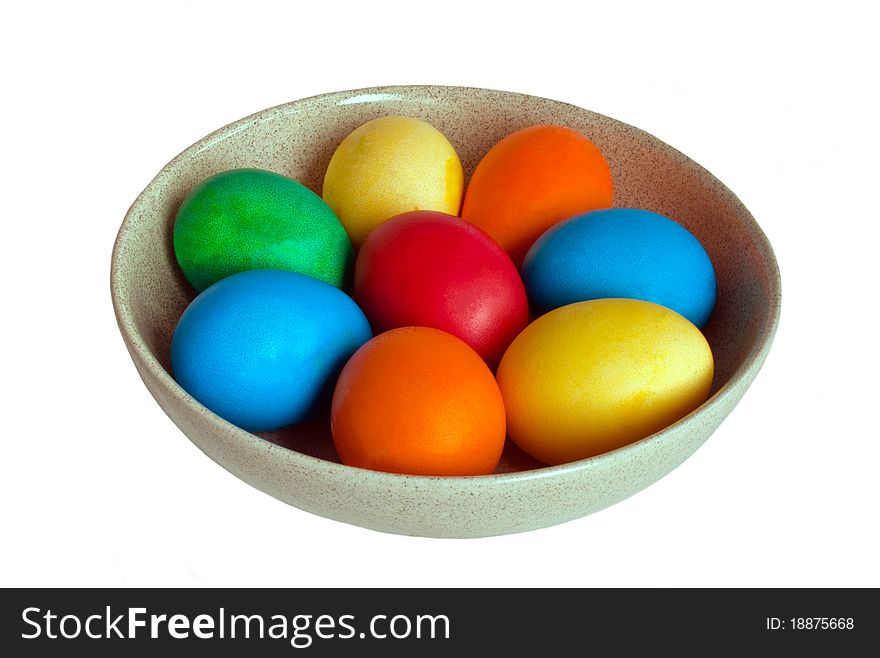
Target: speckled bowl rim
[139, 349]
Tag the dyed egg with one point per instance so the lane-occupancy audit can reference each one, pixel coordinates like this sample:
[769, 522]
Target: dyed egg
[419, 401]
[388, 166]
[262, 348]
[595, 376]
[531, 180]
[430, 269]
[247, 219]
[621, 252]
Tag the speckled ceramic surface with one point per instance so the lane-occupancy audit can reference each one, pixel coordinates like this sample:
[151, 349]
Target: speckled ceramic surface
[298, 465]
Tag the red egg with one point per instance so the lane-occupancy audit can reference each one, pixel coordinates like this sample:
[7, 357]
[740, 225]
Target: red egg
[431, 269]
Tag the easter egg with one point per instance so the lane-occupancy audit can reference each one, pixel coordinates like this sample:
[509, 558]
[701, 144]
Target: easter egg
[430, 269]
[597, 375]
[621, 252]
[531, 180]
[262, 348]
[417, 400]
[246, 219]
[388, 166]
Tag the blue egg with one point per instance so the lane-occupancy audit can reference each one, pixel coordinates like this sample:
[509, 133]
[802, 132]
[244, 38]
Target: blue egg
[263, 347]
[621, 252]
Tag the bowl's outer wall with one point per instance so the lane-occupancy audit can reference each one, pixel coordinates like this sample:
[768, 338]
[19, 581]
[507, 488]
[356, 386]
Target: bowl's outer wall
[297, 140]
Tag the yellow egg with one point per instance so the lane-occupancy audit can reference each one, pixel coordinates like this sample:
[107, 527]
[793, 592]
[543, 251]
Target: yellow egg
[595, 376]
[388, 166]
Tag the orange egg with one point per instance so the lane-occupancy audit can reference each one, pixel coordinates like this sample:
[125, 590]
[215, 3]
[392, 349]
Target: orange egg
[533, 179]
[419, 401]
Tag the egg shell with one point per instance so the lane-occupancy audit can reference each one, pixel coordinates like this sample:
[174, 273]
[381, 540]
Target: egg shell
[532, 179]
[246, 219]
[621, 252]
[419, 401]
[263, 348]
[430, 269]
[388, 166]
[597, 375]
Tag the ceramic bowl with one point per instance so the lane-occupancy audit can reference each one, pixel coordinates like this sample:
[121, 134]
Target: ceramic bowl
[298, 465]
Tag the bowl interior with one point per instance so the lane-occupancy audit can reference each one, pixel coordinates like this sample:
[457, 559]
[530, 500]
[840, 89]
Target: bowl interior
[298, 139]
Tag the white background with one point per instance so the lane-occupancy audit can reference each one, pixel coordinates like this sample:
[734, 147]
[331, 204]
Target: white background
[98, 487]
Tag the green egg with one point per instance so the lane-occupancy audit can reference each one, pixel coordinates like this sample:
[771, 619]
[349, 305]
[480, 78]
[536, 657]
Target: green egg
[248, 219]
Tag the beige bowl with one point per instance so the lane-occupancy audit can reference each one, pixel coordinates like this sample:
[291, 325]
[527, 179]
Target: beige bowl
[298, 465]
